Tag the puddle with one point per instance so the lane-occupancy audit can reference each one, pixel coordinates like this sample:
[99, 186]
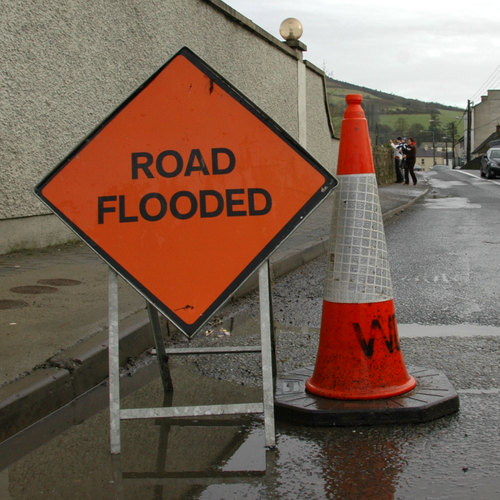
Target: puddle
[12, 304]
[70, 448]
[59, 282]
[225, 457]
[450, 203]
[440, 184]
[33, 289]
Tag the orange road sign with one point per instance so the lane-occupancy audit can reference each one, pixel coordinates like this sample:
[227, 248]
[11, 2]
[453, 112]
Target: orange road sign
[186, 189]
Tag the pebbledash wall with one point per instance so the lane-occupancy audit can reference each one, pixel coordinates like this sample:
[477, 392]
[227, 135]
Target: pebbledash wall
[67, 64]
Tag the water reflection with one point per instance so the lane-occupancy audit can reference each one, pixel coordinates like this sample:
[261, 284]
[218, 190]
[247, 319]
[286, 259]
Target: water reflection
[183, 455]
[358, 465]
[190, 455]
[226, 457]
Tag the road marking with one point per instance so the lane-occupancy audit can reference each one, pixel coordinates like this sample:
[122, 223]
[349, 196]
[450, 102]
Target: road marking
[462, 330]
[479, 392]
[441, 277]
[478, 177]
[438, 278]
[409, 330]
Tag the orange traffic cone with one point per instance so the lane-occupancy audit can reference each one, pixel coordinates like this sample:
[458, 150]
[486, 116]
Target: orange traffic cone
[359, 356]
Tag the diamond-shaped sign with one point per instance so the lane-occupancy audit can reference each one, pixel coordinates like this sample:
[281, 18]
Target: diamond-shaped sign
[186, 189]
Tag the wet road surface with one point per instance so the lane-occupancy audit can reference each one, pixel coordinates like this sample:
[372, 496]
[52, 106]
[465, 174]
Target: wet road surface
[456, 457]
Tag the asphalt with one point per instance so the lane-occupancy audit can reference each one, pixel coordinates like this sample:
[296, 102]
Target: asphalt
[53, 310]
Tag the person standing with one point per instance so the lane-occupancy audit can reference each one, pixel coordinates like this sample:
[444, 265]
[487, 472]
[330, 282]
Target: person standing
[398, 157]
[410, 154]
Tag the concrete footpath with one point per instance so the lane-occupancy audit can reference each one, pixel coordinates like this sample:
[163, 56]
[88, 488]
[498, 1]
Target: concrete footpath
[53, 310]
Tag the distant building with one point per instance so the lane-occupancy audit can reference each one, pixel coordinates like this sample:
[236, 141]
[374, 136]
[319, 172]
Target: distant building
[425, 158]
[459, 150]
[429, 154]
[491, 140]
[485, 119]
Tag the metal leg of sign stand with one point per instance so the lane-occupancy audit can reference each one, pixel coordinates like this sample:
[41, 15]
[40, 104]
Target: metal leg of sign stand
[268, 369]
[114, 364]
[168, 389]
[268, 358]
[160, 349]
[161, 454]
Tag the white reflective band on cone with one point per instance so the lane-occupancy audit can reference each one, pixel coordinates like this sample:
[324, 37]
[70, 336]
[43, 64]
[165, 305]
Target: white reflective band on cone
[358, 265]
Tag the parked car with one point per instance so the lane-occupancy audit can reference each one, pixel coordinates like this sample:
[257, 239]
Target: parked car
[490, 163]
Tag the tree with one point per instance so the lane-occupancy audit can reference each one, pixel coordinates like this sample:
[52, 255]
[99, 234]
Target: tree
[416, 131]
[372, 115]
[381, 134]
[435, 124]
[401, 124]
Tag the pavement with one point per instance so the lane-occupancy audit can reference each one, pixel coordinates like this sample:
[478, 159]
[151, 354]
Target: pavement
[53, 310]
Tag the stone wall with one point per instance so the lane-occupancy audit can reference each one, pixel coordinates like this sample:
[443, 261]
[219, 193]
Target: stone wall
[384, 165]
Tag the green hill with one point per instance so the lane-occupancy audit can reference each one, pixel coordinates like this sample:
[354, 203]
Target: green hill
[390, 115]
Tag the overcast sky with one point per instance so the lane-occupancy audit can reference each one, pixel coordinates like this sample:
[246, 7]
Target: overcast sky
[433, 50]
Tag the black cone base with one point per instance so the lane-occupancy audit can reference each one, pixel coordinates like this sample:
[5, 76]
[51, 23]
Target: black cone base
[432, 398]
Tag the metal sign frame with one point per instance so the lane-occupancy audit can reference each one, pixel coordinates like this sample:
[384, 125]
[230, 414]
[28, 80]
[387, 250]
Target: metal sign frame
[266, 407]
[120, 129]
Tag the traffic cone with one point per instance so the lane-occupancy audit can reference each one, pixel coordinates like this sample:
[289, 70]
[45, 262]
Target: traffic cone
[359, 356]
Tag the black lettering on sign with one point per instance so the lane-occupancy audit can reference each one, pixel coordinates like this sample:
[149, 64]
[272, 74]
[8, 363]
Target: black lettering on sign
[177, 163]
[191, 200]
[102, 209]
[170, 163]
[184, 205]
[252, 201]
[147, 213]
[214, 210]
[231, 202]
[141, 161]
[216, 168]
[121, 210]
[200, 165]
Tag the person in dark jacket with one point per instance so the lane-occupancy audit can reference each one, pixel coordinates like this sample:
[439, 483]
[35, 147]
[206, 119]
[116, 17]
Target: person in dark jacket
[410, 152]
